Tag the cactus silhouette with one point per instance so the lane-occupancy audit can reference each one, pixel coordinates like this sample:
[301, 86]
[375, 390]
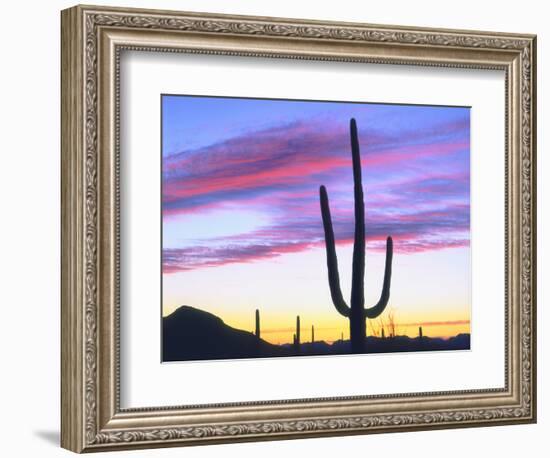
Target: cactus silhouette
[297, 335]
[420, 332]
[257, 332]
[312, 334]
[356, 312]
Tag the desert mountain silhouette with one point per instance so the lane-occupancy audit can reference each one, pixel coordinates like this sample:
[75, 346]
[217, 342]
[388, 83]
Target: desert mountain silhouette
[193, 334]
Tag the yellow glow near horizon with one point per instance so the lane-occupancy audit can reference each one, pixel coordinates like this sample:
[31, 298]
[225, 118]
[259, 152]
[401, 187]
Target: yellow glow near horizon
[296, 284]
[330, 330]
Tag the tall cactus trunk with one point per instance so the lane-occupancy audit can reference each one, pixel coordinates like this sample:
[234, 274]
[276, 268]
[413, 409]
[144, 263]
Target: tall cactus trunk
[356, 313]
[357, 321]
[312, 334]
[257, 331]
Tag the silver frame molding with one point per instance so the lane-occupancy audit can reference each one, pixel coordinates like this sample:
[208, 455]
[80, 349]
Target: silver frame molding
[92, 40]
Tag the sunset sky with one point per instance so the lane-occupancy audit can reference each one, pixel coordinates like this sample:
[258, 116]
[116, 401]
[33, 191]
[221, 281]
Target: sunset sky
[242, 226]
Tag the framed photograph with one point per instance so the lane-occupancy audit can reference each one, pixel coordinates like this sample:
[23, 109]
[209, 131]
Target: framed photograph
[278, 228]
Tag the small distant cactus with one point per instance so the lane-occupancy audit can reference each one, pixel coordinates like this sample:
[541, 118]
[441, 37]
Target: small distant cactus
[257, 331]
[356, 313]
[383, 334]
[420, 332]
[297, 335]
[312, 334]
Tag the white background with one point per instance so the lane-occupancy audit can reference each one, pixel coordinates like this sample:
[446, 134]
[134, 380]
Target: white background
[145, 76]
[29, 246]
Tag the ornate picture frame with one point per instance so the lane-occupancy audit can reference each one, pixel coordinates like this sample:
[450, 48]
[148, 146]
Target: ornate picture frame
[93, 39]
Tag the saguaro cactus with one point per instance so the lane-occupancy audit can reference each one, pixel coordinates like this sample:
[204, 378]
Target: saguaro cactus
[356, 312]
[420, 331]
[257, 331]
[312, 334]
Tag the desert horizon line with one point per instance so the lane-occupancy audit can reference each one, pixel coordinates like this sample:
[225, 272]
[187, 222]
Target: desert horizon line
[416, 323]
[338, 330]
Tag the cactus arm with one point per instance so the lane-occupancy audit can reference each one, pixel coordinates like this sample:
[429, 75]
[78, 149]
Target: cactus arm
[377, 309]
[332, 261]
[358, 263]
